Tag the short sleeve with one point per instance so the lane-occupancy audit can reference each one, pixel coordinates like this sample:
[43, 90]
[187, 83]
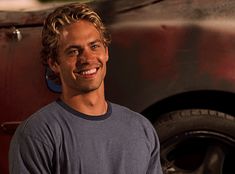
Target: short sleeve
[154, 166]
[29, 155]
[154, 163]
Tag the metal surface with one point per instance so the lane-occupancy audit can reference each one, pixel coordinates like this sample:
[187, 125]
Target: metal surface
[15, 35]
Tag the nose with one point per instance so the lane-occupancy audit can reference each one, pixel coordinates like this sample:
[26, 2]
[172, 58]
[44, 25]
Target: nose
[86, 56]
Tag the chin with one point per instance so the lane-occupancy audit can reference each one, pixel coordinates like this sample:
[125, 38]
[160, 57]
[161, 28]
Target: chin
[89, 88]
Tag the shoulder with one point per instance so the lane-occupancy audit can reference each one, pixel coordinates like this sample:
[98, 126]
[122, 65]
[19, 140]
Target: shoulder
[39, 123]
[132, 117]
[116, 108]
[127, 112]
[44, 114]
[136, 123]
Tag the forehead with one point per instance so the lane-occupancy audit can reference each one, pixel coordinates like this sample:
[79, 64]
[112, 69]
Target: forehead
[79, 30]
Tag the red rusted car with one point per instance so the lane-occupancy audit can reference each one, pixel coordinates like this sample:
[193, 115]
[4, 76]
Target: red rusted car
[171, 60]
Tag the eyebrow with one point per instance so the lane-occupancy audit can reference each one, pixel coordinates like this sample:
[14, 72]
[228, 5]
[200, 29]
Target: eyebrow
[66, 50]
[80, 47]
[96, 41]
[72, 46]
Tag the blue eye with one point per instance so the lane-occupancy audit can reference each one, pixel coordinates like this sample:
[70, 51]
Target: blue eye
[95, 46]
[74, 53]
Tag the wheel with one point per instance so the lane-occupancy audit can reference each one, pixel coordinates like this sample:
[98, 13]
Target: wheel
[197, 141]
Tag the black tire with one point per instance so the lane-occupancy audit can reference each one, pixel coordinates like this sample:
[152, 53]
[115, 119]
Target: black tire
[197, 141]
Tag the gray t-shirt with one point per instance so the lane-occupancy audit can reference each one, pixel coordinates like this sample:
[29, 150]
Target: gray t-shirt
[59, 140]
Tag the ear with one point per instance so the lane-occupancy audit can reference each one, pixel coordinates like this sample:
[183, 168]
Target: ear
[53, 65]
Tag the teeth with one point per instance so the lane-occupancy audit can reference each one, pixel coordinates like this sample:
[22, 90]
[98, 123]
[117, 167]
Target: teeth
[91, 71]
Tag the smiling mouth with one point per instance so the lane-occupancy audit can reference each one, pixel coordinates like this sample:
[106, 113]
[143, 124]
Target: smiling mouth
[88, 73]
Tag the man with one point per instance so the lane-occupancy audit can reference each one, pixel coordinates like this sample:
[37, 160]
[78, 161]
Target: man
[81, 132]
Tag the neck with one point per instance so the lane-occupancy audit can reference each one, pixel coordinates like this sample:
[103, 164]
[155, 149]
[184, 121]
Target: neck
[92, 103]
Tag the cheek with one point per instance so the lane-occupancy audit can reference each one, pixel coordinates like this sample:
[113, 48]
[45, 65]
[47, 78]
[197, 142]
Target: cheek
[66, 69]
[104, 69]
[69, 64]
[105, 58]
[106, 54]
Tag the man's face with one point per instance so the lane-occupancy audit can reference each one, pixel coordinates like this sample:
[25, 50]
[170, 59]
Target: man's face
[82, 58]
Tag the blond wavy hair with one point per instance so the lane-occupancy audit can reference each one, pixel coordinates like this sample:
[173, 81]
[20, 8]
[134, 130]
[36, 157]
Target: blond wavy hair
[57, 20]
